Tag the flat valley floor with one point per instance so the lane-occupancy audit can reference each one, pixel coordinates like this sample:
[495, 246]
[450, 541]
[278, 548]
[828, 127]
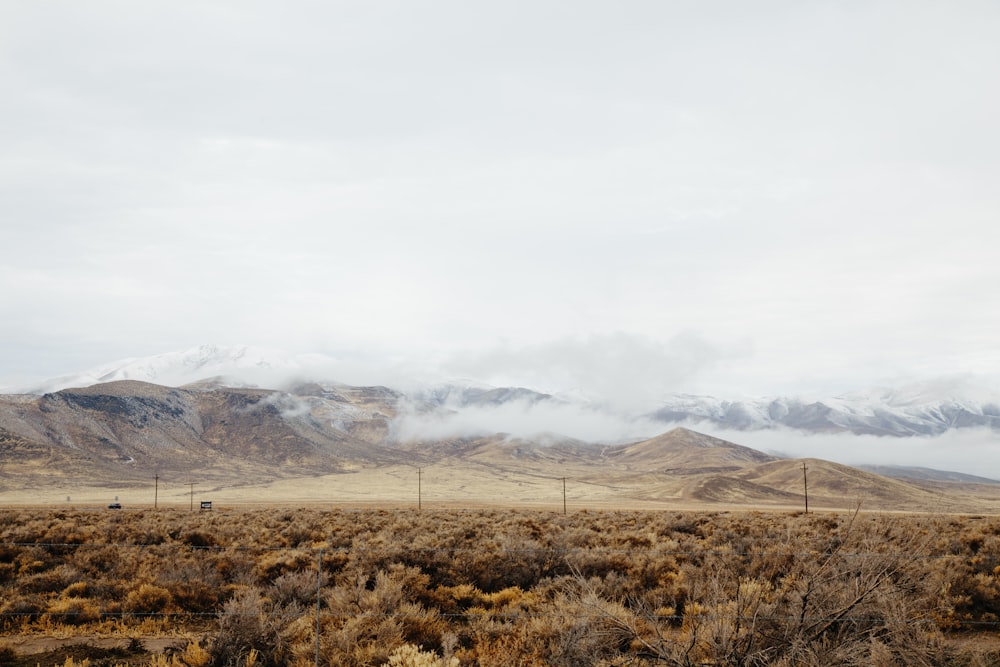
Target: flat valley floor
[462, 486]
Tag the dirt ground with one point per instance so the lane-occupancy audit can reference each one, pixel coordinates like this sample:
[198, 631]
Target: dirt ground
[97, 651]
[35, 644]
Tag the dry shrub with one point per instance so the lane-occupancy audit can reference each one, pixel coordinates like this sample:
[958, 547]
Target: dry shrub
[78, 589]
[969, 581]
[73, 611]
[409, 655]
[197, 538]
[453, 599]
[251, 625]
[850, 606]
[364, 639]
[194, 583]
[147, 599]
[195, 655]
[235, 567]
[194, 596]
[101, 562]
[519, 587]
[579, 630]
[370, 616]
[49, 580]
[562, 626]
[21, 610]
[274, 563]
[296, 587]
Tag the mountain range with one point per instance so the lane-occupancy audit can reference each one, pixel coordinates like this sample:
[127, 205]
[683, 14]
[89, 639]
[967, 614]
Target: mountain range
[119, 433]
[921, 409]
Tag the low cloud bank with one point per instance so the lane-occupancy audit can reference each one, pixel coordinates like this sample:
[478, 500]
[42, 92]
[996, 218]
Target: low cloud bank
[524, 419]
[290, 407]
[629, 371]
[969, 451]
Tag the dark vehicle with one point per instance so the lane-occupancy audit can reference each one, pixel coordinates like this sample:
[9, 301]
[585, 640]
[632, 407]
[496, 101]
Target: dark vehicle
[115, 506]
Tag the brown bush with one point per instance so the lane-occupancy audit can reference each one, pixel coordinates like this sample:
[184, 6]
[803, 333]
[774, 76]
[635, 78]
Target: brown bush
[21, 611]
[72, 611]
[250, 624]
[516, 587]
[147, 599]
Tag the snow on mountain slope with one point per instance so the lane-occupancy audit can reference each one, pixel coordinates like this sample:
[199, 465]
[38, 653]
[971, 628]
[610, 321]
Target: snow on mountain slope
[927, 408]
[456, 396]
[238, 365]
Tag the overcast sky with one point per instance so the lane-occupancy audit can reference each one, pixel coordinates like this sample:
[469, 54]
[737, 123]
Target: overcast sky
[698, 196]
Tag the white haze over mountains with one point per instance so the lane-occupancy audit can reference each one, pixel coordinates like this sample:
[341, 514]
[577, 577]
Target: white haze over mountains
[470, 408]
[234, 365]
[971, 451]
[626, 199]
[610, 202]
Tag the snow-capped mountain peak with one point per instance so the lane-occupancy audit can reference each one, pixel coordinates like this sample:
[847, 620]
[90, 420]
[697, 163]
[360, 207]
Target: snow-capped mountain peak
[237, 364]
[927, 408]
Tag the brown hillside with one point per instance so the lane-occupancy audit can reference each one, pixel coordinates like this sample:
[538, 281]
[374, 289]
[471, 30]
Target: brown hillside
[299, 443]
[685, 452]
[833, 483]
[127, 430]
[727, 489]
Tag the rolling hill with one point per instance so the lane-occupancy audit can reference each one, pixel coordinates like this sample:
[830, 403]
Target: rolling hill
[122, 434]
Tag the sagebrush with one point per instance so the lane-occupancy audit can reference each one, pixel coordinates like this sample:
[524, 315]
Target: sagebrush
[505, 587]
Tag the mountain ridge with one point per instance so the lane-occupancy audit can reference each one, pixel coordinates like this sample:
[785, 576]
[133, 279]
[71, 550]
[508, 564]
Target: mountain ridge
[125, 432]
[916, 409]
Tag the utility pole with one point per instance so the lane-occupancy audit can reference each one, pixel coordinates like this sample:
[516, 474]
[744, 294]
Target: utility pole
[420, 472]
[564, 495]
[805, 485]
[192, 495]
[156, 491]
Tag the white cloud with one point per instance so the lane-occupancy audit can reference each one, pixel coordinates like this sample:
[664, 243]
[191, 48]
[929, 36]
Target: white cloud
[809, 186]
[625, 371]
[523, 419]
[970, 451]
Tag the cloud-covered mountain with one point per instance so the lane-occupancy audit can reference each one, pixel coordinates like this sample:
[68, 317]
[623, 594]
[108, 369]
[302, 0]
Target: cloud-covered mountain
[123, 434]
[235, 365]
[927, 409]
[924, 409]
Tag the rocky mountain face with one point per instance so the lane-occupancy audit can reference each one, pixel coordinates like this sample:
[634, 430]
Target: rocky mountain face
[129, 429]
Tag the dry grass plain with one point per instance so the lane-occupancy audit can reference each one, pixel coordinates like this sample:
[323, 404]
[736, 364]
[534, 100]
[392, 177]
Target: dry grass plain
[503, 555]
[461, 484]
[398, 485]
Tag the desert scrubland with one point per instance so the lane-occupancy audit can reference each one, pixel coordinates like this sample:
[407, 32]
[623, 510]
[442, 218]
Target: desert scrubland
[496, 587]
